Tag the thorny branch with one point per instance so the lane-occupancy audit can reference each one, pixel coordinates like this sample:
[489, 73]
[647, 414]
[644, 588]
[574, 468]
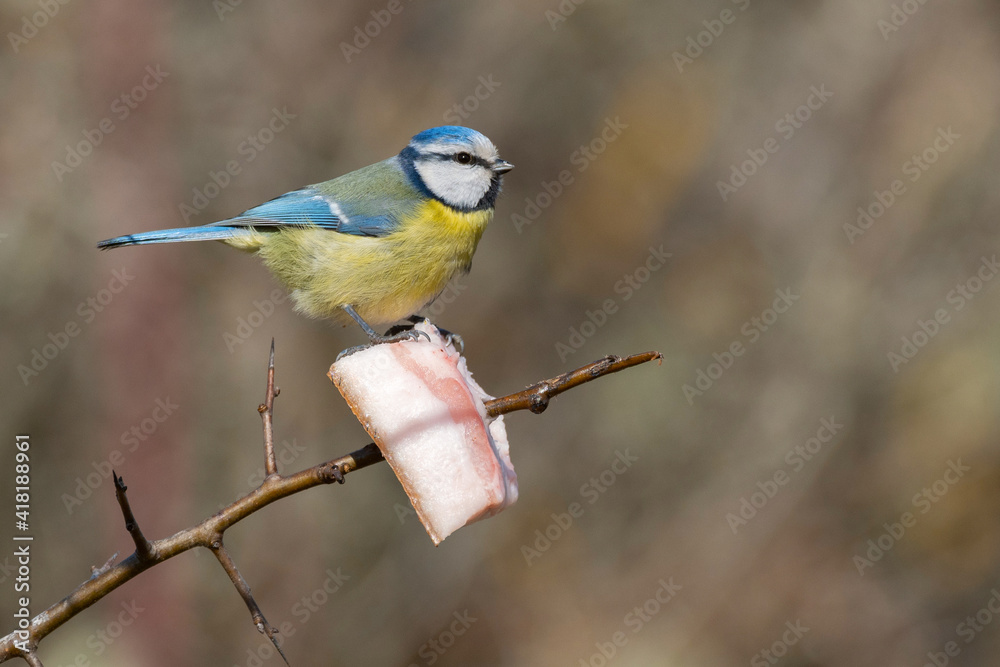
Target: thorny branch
[208, 533]
[143, 548]
[243, 587]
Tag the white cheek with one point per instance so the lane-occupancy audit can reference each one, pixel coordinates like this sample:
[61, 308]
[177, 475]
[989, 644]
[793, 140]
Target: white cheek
[454, 184]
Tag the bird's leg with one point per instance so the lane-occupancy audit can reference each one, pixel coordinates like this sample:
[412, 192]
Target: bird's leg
[375, 338]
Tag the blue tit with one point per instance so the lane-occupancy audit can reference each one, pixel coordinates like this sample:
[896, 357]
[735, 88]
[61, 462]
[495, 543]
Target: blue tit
[377, 244]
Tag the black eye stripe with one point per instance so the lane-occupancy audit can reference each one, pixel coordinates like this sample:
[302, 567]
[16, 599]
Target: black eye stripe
[450, 157]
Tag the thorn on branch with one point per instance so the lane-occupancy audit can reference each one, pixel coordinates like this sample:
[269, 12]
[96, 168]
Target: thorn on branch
[261, 623]
[143, 548]
[266, 410]
[98, 571]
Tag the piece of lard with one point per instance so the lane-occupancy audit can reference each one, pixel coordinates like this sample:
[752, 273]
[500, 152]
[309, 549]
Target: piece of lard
[422, 408]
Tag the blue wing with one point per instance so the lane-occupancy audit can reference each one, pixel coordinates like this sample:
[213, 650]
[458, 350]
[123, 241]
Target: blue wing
[371, 201]
[310, 208]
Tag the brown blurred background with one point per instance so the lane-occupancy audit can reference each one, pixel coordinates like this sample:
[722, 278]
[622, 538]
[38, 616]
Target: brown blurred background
[820, 552]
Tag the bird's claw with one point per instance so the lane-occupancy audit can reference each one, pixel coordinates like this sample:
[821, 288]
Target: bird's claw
[456, 340]
[449, 337]
[411, 334]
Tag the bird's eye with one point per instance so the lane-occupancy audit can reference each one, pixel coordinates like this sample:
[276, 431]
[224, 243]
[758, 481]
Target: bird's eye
[463, 158]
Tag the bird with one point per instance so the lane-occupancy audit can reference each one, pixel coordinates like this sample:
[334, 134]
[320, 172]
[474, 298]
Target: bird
[374, 245]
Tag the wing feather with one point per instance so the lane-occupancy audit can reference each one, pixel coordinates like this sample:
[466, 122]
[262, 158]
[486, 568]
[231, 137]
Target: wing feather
[309, 208]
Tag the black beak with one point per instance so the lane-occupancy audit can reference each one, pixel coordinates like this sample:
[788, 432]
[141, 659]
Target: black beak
[502, 166]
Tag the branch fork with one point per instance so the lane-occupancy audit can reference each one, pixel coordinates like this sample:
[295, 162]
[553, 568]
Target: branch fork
[209, 533]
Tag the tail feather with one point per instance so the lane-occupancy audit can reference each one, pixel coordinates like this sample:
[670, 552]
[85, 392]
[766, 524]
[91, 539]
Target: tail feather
[206, 233]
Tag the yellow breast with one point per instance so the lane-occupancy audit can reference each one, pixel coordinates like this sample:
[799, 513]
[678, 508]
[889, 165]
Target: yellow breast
[385, 278]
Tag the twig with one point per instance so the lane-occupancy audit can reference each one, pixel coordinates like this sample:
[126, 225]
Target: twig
[32, 659]
[536, 397]
[143, 548]
[202, 535]
[266, 410]
[243, 588]
[208, 533]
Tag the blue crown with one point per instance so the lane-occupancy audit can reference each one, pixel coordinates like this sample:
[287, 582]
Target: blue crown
[447, 133]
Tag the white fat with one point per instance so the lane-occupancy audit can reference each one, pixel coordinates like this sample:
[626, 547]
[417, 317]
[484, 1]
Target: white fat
[421, 406]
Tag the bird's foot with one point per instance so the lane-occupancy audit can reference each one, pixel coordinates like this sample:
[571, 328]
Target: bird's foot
[392, 336]
[449, 337]
[395, 337]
